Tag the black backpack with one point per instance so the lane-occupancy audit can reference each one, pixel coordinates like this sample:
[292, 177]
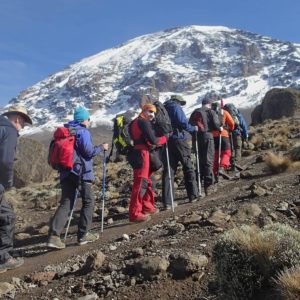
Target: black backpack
[162, 124]
[199, 118]
[234, 113]
[121, 136]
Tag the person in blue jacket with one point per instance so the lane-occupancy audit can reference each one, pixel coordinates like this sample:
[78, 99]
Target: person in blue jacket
[79, 177]
[179, 151]
[11, 122]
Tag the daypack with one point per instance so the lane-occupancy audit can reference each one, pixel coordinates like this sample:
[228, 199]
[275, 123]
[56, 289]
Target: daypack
[199, 118]
[121, 136]
[234, 113]
[61, 149]
[162, 124]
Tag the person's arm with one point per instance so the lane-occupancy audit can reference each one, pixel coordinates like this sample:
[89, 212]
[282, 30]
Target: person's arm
[149, 133]
[244, 127]
[7, 156]
[229, 122]
[182, 121]
[85, 145]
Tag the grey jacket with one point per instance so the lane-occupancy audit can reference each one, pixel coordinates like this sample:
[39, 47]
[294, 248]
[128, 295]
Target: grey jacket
[8, 143]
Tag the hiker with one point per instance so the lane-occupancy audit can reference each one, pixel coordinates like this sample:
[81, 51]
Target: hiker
[79, 177]
[223, 158]
[206, 120]
[239, 134]
[145, 160]
[179, 151]
[11, 122]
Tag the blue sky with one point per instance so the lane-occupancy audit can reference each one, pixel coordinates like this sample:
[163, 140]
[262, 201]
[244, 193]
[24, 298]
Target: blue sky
[41, 37]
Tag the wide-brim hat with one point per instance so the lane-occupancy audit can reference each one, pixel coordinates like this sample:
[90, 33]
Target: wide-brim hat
[178, 99]
[19, 110]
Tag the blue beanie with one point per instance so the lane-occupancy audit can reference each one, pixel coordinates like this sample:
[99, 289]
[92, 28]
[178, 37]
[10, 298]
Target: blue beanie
[81, 114]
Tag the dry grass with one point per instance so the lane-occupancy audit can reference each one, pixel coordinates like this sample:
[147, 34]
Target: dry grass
[288, 283]
[277, 163]
[256, 140]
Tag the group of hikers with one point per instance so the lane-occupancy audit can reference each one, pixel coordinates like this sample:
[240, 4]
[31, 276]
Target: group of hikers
[159, 138]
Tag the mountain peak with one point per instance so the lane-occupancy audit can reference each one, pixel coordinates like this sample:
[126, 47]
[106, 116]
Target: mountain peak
[191, 61]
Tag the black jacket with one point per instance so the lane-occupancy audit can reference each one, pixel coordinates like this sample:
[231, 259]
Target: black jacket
[8, 143]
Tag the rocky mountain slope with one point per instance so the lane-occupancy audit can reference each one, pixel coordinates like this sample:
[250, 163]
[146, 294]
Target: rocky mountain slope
[170, 257]
[191, 61]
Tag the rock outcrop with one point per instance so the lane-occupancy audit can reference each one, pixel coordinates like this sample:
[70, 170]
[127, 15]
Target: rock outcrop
[276, 104]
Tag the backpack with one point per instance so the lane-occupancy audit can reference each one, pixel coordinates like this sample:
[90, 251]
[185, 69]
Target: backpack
[61, 149]
[199, 118]
[234, 113]
[121, 136]
[162, 125]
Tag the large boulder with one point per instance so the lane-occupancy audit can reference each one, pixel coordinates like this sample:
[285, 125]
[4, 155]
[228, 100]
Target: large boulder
[31, 163]
[276, 104]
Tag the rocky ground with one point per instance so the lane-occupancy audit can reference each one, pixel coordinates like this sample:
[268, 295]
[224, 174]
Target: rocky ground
[169, 257]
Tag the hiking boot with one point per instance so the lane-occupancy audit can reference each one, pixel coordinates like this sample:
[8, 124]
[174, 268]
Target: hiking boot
[88, 238]
[152, 212]
[11, 263]
[142, 218]
[224, 174]
[55, 242]
[193, 200]
[169, 206]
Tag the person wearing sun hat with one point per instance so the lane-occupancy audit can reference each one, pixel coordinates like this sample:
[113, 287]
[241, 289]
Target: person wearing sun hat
[142, 202]
[11, 122]
[179, 151]
[81, 175]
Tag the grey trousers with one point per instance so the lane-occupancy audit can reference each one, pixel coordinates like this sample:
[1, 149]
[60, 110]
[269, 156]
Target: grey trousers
[179, 151]
[68, 187]
[7, 227]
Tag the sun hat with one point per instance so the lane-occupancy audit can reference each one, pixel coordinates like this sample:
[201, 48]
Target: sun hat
[20, 110]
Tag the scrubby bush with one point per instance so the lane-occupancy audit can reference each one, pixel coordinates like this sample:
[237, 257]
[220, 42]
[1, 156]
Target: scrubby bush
[246, 258]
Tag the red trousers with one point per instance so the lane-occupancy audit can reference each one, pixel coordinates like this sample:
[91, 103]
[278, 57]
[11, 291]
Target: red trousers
[225, 160]
[142, 195]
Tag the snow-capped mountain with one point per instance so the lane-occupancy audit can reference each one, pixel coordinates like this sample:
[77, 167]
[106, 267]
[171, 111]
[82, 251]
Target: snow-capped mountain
[191, 61]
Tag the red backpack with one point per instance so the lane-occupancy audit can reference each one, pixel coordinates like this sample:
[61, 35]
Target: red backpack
[61, 149]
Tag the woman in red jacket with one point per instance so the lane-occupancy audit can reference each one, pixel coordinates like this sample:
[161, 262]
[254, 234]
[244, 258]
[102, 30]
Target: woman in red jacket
[144, 138]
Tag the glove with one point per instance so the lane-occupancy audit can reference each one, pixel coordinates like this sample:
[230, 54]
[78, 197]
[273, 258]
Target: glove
[221, 128]
[196, 128]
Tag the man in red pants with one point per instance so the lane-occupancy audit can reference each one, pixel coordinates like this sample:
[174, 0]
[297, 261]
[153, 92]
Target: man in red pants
[145, 141]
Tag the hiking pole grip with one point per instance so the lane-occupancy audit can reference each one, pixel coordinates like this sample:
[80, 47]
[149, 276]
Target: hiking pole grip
[170, 180]
[198, 165]
[71, 214]
[103, 189]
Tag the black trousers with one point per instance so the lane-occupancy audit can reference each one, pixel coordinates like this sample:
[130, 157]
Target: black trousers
[68, 189]
[206, 150]
[7, 228]
[179, 151]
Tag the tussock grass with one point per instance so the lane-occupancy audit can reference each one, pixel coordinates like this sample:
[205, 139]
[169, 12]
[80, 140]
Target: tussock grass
[277, 163]
[247, 258]
[288, 283]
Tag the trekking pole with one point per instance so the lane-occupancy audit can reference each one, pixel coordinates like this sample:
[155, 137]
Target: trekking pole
[219, 158]
[169, 174]
[232, 159]
[198, 167]
[103, 189]
[71, 213]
